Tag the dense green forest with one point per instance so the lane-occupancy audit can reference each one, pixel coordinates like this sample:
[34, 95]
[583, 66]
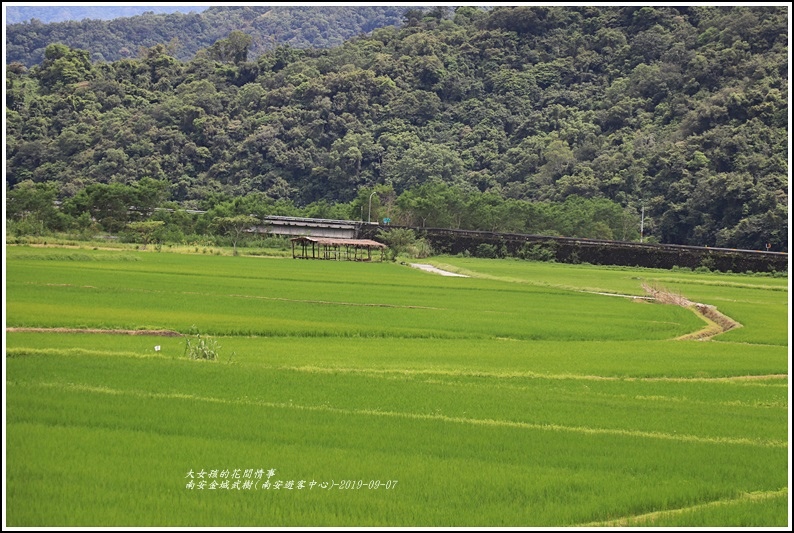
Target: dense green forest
[63, 12]
[187, 33]
[559, 120]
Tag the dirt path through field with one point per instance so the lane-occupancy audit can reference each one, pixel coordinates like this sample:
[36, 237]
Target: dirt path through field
[435, 270]
[716, 322]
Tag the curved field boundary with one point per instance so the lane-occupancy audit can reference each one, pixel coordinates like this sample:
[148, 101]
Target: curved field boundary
[648, 519]
[716, 322]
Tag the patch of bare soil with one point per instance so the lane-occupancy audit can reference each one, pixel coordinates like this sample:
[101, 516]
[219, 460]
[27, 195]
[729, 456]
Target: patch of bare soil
[716, 322]
[75, 247]
[436, 270]
[152, 332]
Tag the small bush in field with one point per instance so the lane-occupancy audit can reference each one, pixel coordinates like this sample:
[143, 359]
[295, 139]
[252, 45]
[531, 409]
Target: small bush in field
[201, 348]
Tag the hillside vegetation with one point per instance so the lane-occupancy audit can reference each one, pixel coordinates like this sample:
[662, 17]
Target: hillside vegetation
[64, 13]
[188, 29]
[474, 119]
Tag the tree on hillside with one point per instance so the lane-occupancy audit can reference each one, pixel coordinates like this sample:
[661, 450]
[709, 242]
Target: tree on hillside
[233, 49]
[62, 67]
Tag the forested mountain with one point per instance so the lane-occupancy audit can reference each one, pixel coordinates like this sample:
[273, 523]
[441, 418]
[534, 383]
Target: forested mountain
[62, 13]
[470, 119]
[186, 33]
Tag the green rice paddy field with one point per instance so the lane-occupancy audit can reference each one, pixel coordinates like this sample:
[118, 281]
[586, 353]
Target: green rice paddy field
[374, 394]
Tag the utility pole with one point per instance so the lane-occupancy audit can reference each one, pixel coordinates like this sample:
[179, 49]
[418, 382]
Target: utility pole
[369, 214]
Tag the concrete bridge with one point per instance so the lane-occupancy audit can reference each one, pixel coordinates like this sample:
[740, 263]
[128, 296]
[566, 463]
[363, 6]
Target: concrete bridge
[313, 227]
[305, 227]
